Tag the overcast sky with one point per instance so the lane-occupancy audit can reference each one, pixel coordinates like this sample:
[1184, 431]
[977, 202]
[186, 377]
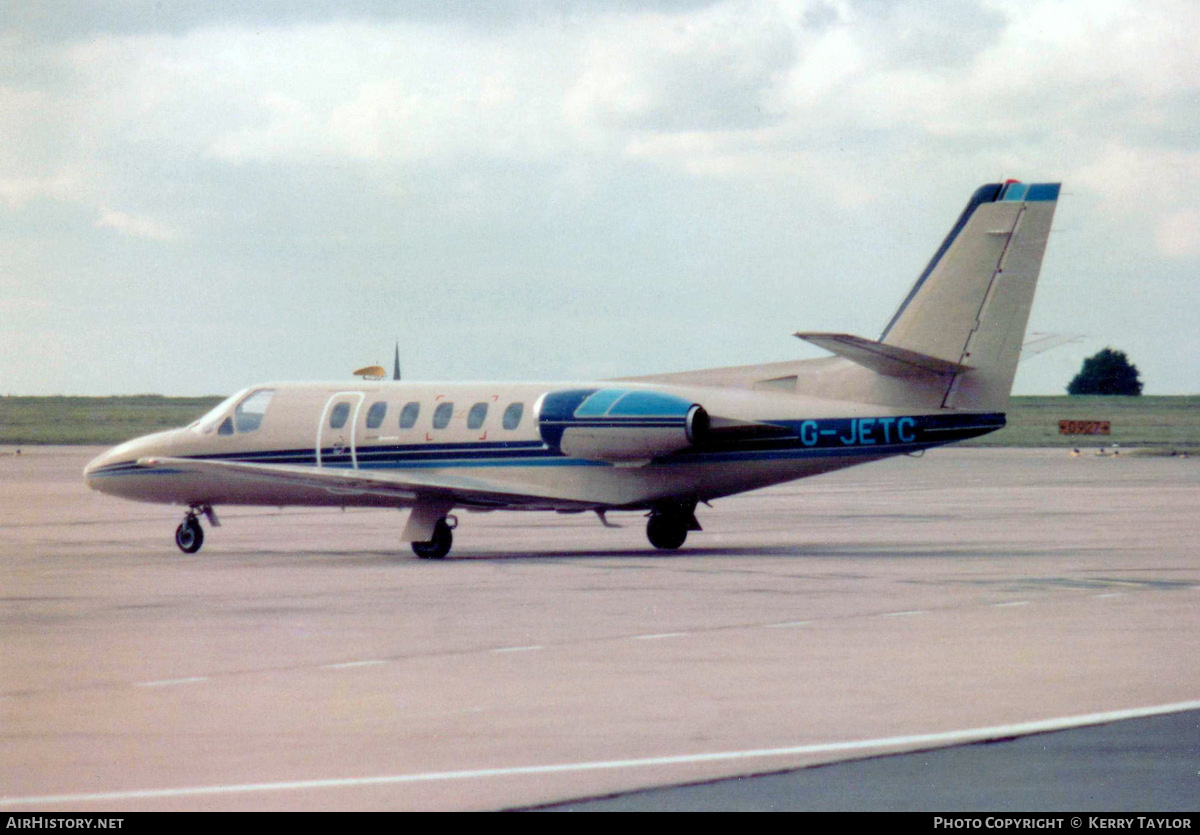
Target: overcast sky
[195, 197]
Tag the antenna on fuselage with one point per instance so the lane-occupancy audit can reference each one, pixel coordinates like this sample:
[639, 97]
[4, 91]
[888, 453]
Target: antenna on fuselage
[396, 367]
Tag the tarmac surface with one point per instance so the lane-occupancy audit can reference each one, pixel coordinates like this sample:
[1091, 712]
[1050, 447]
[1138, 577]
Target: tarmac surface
[1129, 767]
[304, 660]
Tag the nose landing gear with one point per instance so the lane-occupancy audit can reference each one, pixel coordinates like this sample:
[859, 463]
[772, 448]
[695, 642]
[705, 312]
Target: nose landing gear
[189, 536]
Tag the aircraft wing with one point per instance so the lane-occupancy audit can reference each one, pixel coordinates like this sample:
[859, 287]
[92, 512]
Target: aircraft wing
[406, 487]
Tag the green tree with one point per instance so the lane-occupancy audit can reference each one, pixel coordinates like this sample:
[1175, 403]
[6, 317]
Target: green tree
[1108, 372]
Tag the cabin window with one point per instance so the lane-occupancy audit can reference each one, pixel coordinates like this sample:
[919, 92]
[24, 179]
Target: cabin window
[477, 415]
[442, 415]
[226, 427]
[337, 418]
[376, 414]
[249, 413]
[512, 415]
[408, 415]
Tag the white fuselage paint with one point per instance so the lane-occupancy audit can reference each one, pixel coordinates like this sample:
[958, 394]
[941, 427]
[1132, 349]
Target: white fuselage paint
[827, 435]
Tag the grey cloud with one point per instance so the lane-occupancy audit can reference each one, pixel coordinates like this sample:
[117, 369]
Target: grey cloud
[929, 34]
[715, 74]
[714, 91]
[70, 19]
[820, 16]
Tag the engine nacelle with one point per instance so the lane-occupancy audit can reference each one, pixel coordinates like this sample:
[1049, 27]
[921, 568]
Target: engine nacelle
[620, 424]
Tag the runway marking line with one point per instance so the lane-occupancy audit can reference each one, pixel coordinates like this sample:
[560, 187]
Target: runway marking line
[1010, 603]
[905, 614]
[533, 648]
[788, 625]
[659, 635]
[168, 682]
[348, 664]
[878, 746]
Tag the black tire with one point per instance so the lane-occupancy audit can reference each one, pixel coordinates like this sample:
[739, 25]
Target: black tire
[189, 536]
[666, 532]
[437, 547]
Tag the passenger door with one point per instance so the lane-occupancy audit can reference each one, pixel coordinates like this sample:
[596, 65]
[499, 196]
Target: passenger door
[336, 441]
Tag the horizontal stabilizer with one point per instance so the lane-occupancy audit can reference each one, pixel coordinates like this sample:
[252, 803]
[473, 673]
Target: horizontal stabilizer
[889, 360]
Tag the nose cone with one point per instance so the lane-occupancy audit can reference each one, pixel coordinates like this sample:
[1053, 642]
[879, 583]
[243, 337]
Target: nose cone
[95, 464]
[117, 472]
[105, 470]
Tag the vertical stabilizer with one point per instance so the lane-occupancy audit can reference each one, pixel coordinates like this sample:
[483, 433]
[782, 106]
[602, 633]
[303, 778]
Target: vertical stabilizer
[971, 304]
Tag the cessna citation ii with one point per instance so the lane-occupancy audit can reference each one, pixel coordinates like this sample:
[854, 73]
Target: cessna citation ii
[942, 371]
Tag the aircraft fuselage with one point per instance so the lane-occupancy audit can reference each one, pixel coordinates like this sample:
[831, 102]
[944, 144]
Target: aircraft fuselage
[499, 433]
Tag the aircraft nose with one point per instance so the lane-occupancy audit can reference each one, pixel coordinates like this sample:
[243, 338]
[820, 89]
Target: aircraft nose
[101, 467]
[97, 462]
[105, 471]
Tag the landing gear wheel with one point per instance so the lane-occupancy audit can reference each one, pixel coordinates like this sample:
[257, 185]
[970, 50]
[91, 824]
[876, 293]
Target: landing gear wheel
[666, 532]
[189, 536]
[437, 547]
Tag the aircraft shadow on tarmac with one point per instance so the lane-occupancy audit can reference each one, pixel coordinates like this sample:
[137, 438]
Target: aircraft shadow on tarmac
[803, 551]
[847, 551]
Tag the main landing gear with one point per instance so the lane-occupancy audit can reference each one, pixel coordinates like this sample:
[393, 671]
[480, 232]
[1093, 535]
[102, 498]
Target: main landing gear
[669, 524]
[439, 545]
[189, 536]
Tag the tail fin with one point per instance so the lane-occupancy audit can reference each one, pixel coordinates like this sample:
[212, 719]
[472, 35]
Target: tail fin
[971, 304]
[955, 341]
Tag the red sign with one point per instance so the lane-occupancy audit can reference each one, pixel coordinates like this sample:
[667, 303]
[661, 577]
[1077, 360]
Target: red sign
[1084, 427]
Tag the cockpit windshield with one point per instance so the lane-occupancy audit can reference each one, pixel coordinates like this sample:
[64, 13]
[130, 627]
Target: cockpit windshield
[212, 417]
[247, 415]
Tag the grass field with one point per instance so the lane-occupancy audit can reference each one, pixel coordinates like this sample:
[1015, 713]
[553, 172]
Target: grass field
[94, 420]
[1162, 423]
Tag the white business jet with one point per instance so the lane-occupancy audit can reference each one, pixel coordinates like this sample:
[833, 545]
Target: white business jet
[942, 371]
